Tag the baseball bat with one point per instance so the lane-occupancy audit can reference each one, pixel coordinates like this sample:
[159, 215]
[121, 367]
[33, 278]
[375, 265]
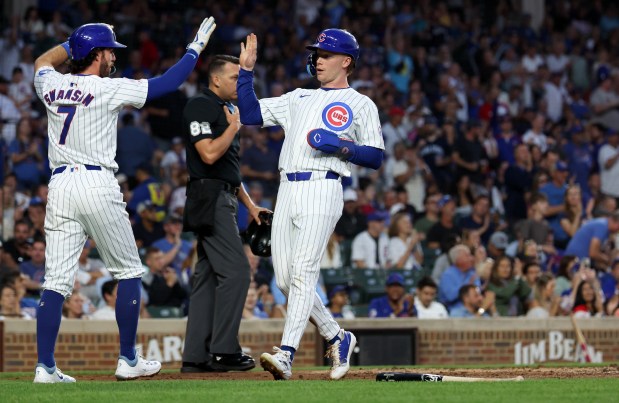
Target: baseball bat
[581, 340]
[415, 377]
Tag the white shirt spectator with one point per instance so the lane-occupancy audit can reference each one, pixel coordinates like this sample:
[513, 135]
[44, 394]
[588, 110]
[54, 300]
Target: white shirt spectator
[531, 64]
[364, 248]
[104, 313]
[554, 101]
[557, 63]
[538, 139]
[10, 115]
[436, 310]
[21, 93]
[397, 248]
[609, 177]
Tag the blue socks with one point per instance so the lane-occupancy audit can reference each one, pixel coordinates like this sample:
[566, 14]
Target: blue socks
[336, 338]
[127, 314]
[292, 350]
[48, 323]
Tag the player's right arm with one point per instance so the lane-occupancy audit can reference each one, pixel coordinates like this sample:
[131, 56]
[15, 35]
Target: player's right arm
[53, 57]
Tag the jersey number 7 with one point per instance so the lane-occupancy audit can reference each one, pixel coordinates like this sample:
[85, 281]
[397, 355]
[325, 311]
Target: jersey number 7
[70, 111]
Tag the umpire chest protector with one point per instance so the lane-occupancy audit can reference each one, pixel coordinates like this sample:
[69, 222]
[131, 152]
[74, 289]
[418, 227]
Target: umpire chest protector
[204, 118]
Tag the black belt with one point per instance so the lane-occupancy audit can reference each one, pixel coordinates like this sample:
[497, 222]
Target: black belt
[225, 186]
[305, 176]
[61, 169]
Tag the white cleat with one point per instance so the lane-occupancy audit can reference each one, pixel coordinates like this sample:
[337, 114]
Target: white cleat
[43, 374]
[278, 364]
[138, 368]
[340, 353]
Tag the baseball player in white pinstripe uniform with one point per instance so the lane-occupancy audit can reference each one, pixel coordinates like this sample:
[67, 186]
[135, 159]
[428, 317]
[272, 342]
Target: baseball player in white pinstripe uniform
[84, 196]
[326, 130]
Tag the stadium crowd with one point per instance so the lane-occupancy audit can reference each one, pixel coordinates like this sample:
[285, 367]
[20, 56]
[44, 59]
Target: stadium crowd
[500, 183]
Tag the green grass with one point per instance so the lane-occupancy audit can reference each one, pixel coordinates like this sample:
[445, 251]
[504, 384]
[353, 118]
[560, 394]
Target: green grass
[546, 391]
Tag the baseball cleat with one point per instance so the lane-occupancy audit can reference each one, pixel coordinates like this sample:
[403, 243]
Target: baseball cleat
[137, 368]
[44, 374]
[340, 353]
[278, 364]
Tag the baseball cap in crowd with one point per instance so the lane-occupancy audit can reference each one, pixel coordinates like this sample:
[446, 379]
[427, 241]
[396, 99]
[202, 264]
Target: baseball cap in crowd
[350, 195]
[35, 201]
[177, 140]
[499, 240]
[430, 120]
[395, 279]
[396, 111]
[611, 132]
[577, 129]
[603, 73]
[336, 289]
[173, 218]
[444, 200]
[378, 216]
[146, 204]
[561, 166]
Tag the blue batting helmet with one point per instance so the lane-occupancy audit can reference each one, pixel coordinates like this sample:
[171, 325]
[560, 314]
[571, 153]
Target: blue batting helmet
[91, 36]
[337, 41]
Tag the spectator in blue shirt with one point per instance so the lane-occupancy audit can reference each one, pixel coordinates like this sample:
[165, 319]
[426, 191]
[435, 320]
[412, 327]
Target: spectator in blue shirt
[461, 272]
[610, 281]
[555, 192]
[35, 267]
[135, 147]
[589, 240]
[27, 154]
[396, 303]
[148, 189]
[471, 302]
[175, 250]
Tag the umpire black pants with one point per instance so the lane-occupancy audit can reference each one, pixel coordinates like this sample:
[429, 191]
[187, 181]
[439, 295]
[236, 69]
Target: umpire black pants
[219, 288]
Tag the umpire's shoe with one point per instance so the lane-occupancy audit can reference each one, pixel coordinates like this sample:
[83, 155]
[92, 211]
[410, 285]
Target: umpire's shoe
[340, 353]
[195, 368]
[44, 374]
[232, 362]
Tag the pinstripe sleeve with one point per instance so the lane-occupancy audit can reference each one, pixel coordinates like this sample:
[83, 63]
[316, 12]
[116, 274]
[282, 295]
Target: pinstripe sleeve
[125, 91]
[276, 111]
[368, 130]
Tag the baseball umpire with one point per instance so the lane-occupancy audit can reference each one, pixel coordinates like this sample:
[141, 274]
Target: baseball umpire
[221, 278]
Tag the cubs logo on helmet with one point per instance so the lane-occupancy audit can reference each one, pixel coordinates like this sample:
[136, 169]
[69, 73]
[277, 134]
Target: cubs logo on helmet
[337, 116]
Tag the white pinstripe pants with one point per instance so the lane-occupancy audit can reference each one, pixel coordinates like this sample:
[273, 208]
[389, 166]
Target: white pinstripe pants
[305, 216]
[84, 203]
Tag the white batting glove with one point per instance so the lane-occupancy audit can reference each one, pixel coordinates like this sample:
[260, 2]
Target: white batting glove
[204, 33]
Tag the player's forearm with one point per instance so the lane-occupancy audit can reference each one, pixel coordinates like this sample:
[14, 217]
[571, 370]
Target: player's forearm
[53, 57]
[173, 77]
[248, 104]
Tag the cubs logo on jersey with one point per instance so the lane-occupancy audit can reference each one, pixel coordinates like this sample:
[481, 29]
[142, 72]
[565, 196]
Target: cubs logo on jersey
[337, 116]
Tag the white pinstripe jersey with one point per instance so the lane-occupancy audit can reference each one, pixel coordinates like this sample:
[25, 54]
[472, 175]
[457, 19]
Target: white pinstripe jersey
[349, 114]
[82, 115]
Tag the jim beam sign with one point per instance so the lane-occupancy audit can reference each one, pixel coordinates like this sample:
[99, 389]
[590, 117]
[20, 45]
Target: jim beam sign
[556, 348]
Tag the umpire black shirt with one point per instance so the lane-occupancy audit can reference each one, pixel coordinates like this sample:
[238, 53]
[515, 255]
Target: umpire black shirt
[204, 118]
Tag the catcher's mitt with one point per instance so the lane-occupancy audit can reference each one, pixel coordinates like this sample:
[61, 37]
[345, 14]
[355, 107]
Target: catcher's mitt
[259, 236]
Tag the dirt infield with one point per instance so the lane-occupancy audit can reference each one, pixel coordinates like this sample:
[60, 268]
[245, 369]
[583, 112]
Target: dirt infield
[541, 372]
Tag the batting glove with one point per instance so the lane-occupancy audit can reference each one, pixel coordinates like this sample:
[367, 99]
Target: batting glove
[328, 142]
[204, 33]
